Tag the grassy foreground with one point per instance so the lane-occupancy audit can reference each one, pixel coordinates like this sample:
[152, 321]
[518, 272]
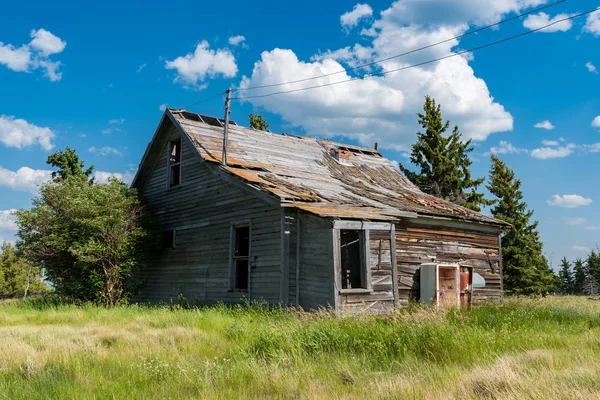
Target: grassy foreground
[522, 349]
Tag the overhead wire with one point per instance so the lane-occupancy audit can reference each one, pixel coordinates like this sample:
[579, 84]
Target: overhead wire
[383, 73]
[204, 100]
[406, 53]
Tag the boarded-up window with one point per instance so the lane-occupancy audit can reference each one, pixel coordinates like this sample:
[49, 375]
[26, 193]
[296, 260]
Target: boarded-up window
[352, 263]
[241, 255]
[174, 163]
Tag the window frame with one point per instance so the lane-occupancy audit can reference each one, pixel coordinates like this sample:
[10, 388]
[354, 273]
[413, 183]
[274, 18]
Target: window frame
[171, 164]
[233, 258]
[365, 271]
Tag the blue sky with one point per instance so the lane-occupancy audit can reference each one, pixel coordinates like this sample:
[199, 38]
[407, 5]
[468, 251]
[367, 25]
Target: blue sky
[95, 76]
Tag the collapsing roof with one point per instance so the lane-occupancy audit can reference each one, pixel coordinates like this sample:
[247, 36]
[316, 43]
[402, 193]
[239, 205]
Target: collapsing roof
[322, 177]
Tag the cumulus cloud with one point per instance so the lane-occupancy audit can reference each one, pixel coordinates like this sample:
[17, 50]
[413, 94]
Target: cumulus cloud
[383, 108]
[507, 148]
[550, 143]
[7, 220]
[193, 68]
[596, 122]
[575, 221]
[582, 248]
[103, 176]
[19, 133]
[569, 201]
[592, 228]
[592, 23]
[25, 179]
[536, 21]
[46, 42]
[236, 40]
[116, 121]
[591, 67]
[545, 153]
[105, 151]
[34, 55]
[544, 125]
[351, 18]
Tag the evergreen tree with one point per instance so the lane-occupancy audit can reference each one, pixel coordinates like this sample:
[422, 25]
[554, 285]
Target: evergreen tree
[68, 163]
[580, 277]
[566, 277]
[525, 269]
[443, 161]
[593, 271]
[258, 122]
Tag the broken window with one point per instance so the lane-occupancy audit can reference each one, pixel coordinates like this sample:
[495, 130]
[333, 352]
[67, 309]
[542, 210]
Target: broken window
[168, 241]
[241, 256]
[174, 163]
[352, 263]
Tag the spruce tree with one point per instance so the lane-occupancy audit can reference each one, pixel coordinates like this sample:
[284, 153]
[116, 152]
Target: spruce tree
[579, 277]
[566, 277]
[593, 270]
[525, 269]
[442, 159]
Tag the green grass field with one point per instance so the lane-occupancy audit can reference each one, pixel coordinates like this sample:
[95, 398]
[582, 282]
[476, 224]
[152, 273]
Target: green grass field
[522, 349]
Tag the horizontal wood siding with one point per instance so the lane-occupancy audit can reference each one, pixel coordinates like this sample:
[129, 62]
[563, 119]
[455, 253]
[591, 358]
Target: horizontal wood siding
[316, 263]
[201, 211]
[380, 267]
[420, 243]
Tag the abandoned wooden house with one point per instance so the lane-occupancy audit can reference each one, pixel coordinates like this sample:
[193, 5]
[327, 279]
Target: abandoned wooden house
[300, 221]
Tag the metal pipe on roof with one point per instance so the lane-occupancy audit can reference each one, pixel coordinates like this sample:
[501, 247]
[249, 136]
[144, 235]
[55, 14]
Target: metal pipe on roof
[226, 128]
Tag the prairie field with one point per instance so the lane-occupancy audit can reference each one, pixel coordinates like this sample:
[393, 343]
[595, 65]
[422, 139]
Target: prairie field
[547, 348]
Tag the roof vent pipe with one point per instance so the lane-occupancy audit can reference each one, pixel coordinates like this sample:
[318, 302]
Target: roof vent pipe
[226, 127]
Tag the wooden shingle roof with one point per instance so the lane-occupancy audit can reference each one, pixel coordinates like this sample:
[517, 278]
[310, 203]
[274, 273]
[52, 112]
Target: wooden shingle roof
[322, 177]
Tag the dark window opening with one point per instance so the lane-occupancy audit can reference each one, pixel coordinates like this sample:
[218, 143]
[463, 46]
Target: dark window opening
[168, 241]
[175, 163]
[241, 254]
[351, 263]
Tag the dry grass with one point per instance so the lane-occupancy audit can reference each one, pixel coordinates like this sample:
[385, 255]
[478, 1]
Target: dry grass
[522, 349]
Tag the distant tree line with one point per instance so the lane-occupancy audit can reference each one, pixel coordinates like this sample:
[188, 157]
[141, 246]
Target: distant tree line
[581, 276]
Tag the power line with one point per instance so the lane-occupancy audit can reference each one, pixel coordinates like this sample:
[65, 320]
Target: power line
[406, 53]
[203, 100]
[422, 63]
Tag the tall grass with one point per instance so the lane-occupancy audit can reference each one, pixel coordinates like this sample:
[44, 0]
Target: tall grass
[523, 348]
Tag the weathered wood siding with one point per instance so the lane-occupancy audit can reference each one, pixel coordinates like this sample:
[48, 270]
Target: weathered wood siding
[201, 211]
[316, 263]
[381, 274]
[419, 243]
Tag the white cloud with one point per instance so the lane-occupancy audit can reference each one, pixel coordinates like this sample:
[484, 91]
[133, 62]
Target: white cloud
[569, 201]
[360, 11]
[7, 220]
[536, 21]
[592, 228]
[25, 179]
[20, 133]
[381, 109]
[16, 59]
[591, 67]
[162, 107]
[140, 68]
[592, 24]
[596, 122]
[592, 148]
[507, 148]
[236, 40]
[544, 125]
[116, 121]
[550, 143]
[545, 153]
[46, 42]
[575, 221]
[105, 151]
[34, 55]
[103, 177]
[581, 248]
[193, 69]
